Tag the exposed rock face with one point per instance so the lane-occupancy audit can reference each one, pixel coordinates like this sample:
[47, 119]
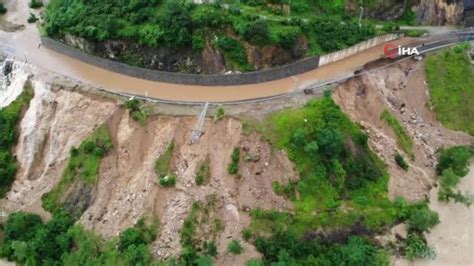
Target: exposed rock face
[439, 12]
[209, 61]
[428, 12]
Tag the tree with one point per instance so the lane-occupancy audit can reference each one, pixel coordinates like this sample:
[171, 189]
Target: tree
[21, 226]
[330, 141]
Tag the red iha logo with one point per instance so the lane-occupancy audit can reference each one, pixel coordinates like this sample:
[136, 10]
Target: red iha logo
[390, 50]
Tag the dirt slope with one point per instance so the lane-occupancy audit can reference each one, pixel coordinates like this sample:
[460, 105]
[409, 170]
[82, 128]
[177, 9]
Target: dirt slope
[127, 190]
[401, 89]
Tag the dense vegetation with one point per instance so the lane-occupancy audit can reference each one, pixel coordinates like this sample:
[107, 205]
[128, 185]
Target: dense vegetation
[28, 240]
[342, 188]
[403, 139]
[450, 76]
[83, 169]
[227, 26]
[9, 119]
[452, 167]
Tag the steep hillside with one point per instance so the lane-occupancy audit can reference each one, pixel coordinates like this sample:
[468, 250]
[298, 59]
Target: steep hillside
[114, 183]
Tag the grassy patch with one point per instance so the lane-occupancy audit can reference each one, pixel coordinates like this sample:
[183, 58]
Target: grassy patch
[403, 139]
[203, 175]
[10, 117]
[233, 167]
[83, 166]
[450, 76]
[162, 165]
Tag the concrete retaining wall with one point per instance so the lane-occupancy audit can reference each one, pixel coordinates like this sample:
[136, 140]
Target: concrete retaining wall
[339, 55]
[296, 68]
[276, 73]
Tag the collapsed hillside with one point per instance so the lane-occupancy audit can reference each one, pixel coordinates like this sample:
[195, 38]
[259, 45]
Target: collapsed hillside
[276, 187]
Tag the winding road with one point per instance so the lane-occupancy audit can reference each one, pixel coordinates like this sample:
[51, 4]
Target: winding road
[25, 44]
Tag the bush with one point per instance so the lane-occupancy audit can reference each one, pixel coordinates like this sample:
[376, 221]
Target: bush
[233, 167]
[452, 166]
[3, 9]
[234, 53]
[421, 218]
[456, 158]
[417, 248]
[168, 181]
[36, 4]
[401, 162]
[137, 112]
[234, 247]
[247, 234]
[219, 113]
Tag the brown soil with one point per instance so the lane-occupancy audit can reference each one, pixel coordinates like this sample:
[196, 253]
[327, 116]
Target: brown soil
[401, 89]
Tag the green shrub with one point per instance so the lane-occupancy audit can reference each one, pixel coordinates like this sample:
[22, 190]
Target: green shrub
[32, 18]
[220, 112]
[136, 111]
[168, 181]
[453, 165]
[417, 248]
[233, 167]
[401, 162]
[247, 234]
[234, 53]
[456, 158]
[421, 218]
[211, 249]
[234, 247]
[3, 9]
[36, 4]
